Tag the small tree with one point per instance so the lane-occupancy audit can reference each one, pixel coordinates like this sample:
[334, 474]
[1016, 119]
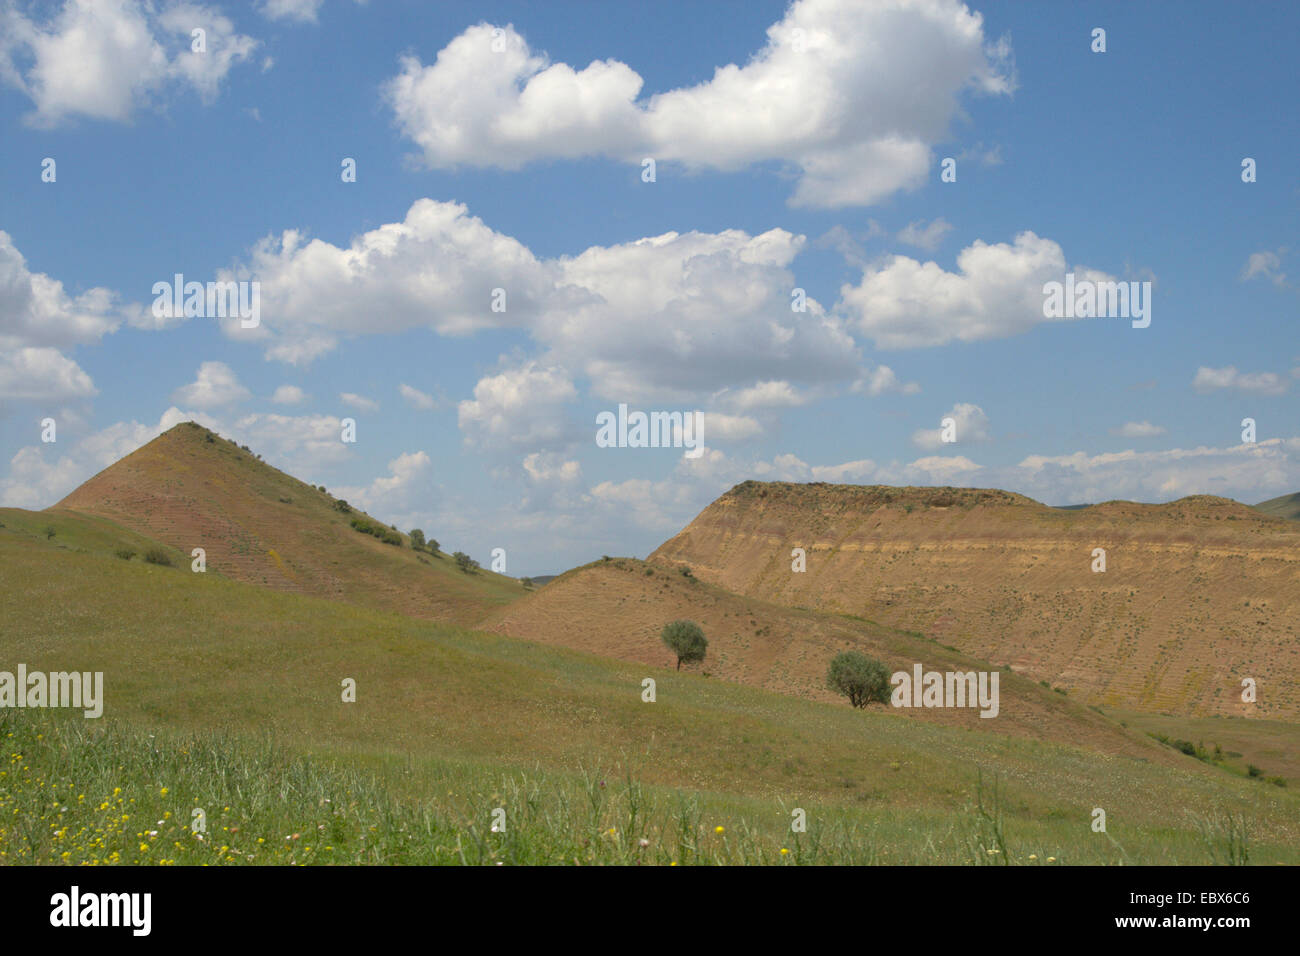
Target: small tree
[860, 678]
[432, 545]
[686, 640]
[417, 539]
[526, 582]
[464, 562]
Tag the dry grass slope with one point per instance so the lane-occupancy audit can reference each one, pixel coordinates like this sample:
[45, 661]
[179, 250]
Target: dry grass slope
[189, 488]
[617, 609]
[1197, 593]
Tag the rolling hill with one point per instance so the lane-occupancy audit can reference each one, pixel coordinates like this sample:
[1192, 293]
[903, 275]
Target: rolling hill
[190, 488]
[1196, 595]
[455, 722]
[1287, 506]
[617, 608]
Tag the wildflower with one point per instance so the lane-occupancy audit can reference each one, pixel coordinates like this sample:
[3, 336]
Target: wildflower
[163, 792]
[784, 851]
[719, 830]
[1033, 856]
[643, 842]
[1051, 859]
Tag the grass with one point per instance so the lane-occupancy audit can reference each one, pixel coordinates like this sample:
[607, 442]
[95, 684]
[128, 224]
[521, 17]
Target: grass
[240, 687]
[1273, 745]
[191, 488]
[75, 794]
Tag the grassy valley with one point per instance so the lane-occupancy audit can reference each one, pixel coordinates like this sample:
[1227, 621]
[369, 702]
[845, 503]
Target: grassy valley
[249, 678]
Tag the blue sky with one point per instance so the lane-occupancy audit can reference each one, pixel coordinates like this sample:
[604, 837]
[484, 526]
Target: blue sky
[500, 145]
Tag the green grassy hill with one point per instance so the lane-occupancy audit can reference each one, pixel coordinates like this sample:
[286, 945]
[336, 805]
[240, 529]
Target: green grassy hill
[450, 724]
[190, 488]
[1287, 506]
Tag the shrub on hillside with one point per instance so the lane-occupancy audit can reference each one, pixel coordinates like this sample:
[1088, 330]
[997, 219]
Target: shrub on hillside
[126, 554]
[343, 506]
[465, 562]
[860, 678]
[417, 539]
[377, 530]
[686, 640]
[157, 555]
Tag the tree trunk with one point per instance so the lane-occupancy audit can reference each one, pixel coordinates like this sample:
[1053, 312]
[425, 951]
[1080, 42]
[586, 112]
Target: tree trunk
[679, 663]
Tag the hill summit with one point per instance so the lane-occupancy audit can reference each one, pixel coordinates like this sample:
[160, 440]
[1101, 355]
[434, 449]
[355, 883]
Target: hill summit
[190, 488]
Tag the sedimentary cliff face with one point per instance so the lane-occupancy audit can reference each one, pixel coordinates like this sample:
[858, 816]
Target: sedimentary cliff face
[1196, 595]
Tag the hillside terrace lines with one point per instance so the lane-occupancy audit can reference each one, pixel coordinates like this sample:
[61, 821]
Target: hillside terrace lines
[1194, 590]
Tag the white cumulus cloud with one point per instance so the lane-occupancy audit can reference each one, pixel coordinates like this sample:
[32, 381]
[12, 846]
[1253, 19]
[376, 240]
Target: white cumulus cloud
[289, 395]
[852, 95]
[359, 402]
[971, 424]
[103, 59]
[216, 385]
[1262, 383]
[519, 407]
[1142, 429]
[997, 291]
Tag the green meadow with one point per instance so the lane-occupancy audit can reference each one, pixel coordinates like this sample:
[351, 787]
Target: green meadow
[226, 697]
